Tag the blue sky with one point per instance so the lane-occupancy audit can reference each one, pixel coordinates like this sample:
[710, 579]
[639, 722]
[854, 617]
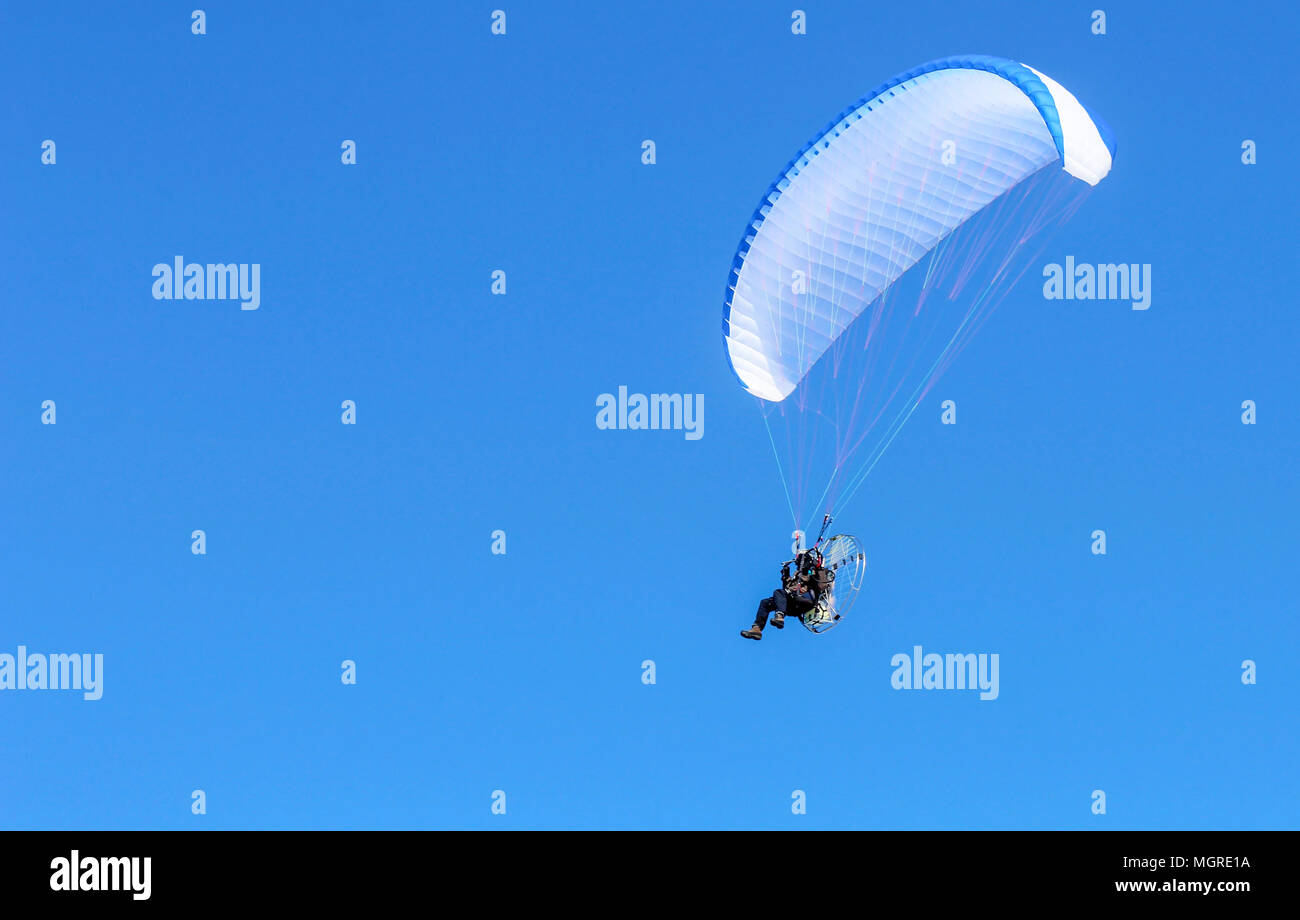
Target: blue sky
[522, 672]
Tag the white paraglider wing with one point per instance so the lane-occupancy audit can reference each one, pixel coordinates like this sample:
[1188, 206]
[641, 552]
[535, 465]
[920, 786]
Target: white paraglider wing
[866, 199]
[884, 245]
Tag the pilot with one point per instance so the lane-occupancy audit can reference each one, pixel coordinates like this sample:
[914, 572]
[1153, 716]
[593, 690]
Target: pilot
[796, 596]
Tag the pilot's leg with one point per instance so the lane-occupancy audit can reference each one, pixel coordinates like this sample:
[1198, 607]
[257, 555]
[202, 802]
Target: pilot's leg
[765, 606]
[778, 601]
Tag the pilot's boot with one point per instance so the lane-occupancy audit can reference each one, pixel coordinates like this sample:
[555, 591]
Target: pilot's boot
[778, 620]
[754, 632]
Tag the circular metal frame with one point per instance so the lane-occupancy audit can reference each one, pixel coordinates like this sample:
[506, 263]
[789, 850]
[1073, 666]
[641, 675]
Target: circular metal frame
[844, 556]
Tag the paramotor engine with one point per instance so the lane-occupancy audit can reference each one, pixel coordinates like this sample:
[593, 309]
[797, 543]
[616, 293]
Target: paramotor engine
[844, 558]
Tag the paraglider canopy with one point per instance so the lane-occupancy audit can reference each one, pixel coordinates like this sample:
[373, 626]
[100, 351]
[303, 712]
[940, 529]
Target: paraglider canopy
[953, 168]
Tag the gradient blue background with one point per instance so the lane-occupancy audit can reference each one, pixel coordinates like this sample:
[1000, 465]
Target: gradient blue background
[480, 672]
